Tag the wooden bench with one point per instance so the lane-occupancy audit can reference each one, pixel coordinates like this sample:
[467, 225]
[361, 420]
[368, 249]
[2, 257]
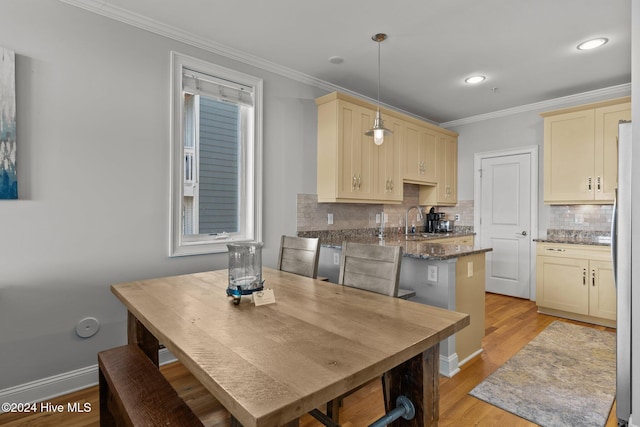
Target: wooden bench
[133, 392]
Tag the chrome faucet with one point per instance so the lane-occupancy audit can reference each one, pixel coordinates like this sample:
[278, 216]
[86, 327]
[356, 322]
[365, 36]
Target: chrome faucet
[406, 219]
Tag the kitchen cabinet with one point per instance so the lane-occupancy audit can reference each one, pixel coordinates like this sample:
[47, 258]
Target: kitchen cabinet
[387, 175]
[580, 152]
[445, 192]
[345, 166]
[419, 155]
[352, 169]
[447, 170]
[576, 282]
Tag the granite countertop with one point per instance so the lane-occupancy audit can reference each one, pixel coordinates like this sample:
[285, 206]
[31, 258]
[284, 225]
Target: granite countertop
[576, 237]
[416, 246]
[593, 241]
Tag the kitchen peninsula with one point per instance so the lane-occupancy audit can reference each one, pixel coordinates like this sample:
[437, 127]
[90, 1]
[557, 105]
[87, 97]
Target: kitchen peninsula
[446, 275]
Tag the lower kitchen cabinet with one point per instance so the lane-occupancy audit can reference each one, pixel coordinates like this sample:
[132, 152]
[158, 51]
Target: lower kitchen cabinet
[576, 282]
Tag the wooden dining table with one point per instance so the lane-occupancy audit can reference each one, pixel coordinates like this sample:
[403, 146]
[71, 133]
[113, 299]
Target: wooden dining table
[270, 364]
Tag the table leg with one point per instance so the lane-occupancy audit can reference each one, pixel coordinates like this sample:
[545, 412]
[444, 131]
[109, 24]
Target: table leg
[139, 335]
[418, 380]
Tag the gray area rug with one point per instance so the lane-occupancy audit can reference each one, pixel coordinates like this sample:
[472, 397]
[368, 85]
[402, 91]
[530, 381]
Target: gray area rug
[566, 376]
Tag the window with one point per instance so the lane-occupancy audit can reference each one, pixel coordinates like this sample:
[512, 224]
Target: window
[216, 157]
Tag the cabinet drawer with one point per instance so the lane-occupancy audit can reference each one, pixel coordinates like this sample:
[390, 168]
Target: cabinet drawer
[458, 240]
[564, 250]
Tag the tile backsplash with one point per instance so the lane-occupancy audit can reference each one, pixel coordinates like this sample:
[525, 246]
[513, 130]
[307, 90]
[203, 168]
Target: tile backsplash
[581, 217]
[312, 216]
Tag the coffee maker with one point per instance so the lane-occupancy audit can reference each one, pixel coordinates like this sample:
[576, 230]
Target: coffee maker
[433, 219]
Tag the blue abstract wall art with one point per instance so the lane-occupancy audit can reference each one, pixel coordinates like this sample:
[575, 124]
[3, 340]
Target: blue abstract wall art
[8, 177]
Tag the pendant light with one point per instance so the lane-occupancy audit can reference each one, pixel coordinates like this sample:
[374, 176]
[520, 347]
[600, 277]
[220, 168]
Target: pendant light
[378, 131]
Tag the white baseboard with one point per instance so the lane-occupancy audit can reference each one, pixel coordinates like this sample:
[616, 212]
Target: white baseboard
[468, 358]
[449, 365]
[58, 385]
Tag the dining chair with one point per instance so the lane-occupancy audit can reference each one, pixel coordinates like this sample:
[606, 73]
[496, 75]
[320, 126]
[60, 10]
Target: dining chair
[372, 268]
[299, 255]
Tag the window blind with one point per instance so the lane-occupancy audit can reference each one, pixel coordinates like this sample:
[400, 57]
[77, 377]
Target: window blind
[214, 87]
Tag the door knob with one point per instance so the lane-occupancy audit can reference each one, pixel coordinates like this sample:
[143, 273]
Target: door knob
[524, 233]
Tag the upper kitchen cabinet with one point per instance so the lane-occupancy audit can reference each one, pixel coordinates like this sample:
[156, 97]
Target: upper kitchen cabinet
[351, 168]
[387, 159]
[581, 153]
[419, 155]
[447, 170]
[445, 192]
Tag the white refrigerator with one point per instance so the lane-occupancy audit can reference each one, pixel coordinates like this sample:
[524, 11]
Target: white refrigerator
[621, 244]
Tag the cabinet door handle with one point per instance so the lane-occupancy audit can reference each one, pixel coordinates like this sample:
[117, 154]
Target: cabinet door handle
[593, 278]
[598, 183]
[589, 183]
[584, 276]
[354, 184]
[390, 185]
[555, 249]
[359, 182]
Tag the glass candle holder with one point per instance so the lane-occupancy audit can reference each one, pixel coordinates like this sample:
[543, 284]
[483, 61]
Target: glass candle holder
[245, 269]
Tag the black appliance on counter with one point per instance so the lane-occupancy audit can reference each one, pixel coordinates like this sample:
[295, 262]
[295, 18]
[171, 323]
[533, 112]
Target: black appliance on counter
[433, 219]
[437, 222]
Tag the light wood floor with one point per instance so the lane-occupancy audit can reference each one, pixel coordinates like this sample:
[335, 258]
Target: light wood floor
[510, 324]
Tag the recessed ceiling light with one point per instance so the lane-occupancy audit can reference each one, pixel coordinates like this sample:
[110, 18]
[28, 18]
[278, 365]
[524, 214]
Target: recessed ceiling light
[474, 79]
[592, 44]
[336, 59]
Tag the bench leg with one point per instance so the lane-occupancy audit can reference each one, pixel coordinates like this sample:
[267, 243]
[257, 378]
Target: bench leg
[106, 418]
[139, 335]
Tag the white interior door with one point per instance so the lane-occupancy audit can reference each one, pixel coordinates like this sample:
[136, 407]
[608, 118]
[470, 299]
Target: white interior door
[505, 222]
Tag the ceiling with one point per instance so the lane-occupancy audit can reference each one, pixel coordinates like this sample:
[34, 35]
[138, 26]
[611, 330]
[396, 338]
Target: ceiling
[526, 49]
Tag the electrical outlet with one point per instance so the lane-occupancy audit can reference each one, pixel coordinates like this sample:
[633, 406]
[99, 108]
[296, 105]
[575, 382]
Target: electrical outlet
[330, 218]
[378, 218]
[432, 273]
[386, 218]
[336, 258]
[457, 217]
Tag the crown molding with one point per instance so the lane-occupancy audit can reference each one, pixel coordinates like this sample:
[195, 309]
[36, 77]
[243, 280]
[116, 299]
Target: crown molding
[580, 98]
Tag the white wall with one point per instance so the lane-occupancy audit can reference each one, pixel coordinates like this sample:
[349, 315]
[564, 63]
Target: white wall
[93, 171]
